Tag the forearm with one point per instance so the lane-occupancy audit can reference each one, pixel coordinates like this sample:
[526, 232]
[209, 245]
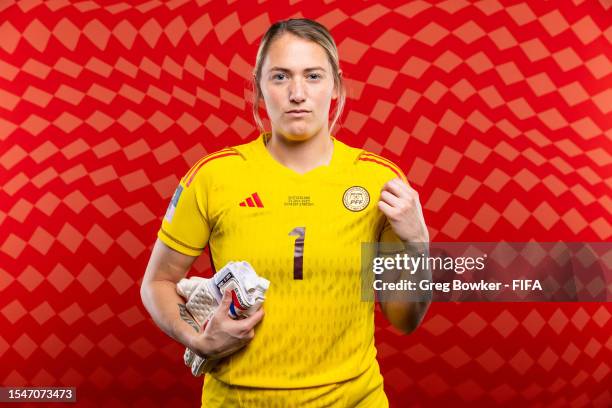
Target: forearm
[406, 309]
[405, 315]
[164, 305]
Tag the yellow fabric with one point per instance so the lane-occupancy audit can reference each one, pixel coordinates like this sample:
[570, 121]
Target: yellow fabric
[316, 330]
[363, 391]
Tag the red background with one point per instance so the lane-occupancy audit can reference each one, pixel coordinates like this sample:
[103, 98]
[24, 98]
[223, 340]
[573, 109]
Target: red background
[498, 112]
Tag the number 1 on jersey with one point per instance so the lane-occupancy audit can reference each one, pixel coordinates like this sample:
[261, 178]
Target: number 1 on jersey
[298, 251]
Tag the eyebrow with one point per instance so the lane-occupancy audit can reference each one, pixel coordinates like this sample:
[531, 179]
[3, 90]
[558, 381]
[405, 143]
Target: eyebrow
[288, 70]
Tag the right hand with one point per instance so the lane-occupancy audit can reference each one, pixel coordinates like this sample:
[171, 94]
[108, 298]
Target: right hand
[223, 335]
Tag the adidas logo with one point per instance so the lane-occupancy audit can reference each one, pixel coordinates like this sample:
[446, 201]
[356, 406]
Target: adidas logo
[252, 201]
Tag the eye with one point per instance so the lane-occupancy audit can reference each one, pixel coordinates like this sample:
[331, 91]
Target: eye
[279, 76]
[315, 76]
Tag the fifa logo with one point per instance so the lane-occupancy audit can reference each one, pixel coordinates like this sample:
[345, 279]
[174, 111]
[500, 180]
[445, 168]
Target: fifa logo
[356, 198]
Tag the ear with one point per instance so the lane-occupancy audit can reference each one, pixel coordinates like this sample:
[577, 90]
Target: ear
[335, 92]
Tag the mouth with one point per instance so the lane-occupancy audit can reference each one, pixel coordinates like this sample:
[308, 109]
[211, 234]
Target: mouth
[298, 112]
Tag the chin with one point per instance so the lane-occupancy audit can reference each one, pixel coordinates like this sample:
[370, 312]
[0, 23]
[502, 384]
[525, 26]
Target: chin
[297, 135]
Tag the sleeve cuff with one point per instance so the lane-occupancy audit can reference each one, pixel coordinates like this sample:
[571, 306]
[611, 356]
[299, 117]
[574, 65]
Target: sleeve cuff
[178, 245]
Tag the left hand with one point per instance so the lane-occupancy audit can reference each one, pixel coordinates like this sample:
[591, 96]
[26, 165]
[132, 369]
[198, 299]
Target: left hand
[400, 204]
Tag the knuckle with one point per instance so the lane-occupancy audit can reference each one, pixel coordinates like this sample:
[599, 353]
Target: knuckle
[244, 331]
[245, 334]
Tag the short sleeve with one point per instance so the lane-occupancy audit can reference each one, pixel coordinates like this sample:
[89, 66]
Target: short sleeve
[185, 226]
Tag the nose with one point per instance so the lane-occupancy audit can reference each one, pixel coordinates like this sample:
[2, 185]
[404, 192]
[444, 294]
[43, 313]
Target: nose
[297, 93]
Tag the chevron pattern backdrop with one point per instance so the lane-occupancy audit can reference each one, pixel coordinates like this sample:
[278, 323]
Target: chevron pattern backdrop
[500, 113]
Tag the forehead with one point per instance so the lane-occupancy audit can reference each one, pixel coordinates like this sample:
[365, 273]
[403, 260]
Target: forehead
[294, 53]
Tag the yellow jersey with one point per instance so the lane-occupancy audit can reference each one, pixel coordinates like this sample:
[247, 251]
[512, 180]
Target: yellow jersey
[302, 232]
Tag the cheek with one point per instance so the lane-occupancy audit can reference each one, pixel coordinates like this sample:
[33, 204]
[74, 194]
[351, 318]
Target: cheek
[324, 99]
[270, 100]
[324, 96]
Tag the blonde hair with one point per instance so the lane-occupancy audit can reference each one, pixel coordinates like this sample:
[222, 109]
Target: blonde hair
[308, 30]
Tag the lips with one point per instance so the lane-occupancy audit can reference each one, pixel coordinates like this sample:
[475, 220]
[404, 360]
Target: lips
[297, 113]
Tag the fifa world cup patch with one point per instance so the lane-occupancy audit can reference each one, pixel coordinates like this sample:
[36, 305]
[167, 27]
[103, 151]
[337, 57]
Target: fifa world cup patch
[172, 207]
[356, 198]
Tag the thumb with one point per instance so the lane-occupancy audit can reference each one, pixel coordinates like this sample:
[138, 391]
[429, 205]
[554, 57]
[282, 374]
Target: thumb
[226, 300]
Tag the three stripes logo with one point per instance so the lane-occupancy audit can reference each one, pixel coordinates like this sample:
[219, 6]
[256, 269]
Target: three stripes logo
[252, 201]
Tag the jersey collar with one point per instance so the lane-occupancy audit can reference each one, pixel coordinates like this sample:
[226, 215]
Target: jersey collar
[271, 163]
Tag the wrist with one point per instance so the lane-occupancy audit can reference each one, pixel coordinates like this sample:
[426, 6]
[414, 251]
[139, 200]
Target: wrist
[201, 344]
[191, 340]
[203, 347]
[416, 247]
[184, 333]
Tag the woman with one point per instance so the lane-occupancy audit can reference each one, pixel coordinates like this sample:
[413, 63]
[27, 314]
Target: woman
[296, 203]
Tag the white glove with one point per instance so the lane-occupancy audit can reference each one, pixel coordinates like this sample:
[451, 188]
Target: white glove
[204, 295]
[200, 296]
[201, 303]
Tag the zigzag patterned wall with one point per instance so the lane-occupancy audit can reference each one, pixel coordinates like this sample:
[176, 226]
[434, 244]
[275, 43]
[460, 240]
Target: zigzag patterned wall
[498, 111]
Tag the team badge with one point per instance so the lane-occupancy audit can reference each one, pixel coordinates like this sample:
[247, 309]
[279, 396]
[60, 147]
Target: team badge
[356, 198]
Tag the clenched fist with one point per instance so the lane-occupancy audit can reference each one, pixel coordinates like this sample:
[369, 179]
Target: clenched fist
[400, 204]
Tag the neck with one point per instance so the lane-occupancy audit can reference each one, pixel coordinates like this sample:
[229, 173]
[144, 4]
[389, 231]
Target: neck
[304, 155]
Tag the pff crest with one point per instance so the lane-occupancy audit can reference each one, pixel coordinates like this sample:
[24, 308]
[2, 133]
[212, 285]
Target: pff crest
[356, 198]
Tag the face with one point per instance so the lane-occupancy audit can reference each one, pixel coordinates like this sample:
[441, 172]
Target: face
[297, 86]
